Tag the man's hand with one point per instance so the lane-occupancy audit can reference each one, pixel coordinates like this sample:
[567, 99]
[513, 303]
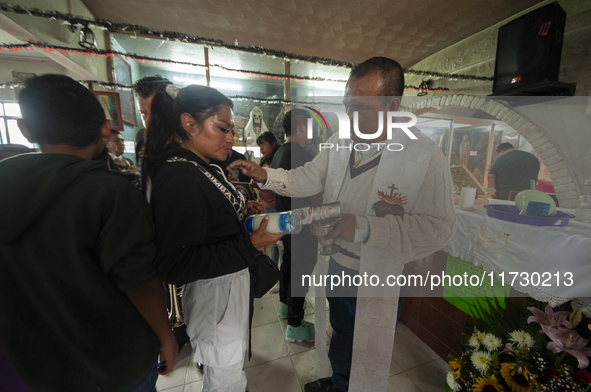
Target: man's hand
[149, 301]
[249, 169]
[345, 230]
[253, 208]
[169, 352]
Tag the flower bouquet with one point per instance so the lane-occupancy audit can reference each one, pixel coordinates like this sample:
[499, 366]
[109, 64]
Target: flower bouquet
[524, 350]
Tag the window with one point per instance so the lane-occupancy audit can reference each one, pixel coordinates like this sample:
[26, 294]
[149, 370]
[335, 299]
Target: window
[9, 131]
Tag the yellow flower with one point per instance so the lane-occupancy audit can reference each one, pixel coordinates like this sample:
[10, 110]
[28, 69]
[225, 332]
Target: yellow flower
[456, 367]
[518, 377]
[487, 385]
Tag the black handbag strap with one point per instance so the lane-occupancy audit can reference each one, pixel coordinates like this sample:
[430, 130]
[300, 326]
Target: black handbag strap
[237, 203]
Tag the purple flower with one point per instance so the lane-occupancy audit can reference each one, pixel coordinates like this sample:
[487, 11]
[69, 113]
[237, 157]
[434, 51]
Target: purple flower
[509, 349]
[550, 318]
[564, 339]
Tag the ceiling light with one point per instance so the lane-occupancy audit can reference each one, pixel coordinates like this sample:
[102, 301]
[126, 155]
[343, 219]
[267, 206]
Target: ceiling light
[424, 88]
[87, 39]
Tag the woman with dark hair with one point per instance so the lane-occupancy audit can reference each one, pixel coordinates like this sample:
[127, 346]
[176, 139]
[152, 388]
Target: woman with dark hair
[199, 233]
[268, 145]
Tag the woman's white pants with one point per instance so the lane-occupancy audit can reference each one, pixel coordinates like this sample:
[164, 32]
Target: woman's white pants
[216, 315]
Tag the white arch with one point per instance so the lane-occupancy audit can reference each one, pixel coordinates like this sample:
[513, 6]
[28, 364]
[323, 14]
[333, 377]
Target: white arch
[567, 190]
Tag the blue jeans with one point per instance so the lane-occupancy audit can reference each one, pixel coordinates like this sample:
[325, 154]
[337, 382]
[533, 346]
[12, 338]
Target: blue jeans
[147, 383]
[342, 310]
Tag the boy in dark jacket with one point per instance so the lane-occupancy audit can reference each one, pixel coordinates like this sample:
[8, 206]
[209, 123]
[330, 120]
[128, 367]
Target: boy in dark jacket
[80, 307]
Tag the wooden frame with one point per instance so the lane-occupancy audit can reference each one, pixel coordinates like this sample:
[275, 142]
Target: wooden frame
[112, 107]
[462, 178]
[123, 76]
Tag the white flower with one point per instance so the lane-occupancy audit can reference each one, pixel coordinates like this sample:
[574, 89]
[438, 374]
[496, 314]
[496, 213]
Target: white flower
[523, 339]
[481, 361]
[473, 342]
[475, 339]
[491, 342]
[452, 383]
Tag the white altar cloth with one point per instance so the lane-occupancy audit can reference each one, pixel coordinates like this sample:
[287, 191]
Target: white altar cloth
[544, 254]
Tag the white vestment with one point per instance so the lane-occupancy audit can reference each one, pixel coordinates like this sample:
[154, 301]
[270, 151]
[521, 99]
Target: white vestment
[421, 174]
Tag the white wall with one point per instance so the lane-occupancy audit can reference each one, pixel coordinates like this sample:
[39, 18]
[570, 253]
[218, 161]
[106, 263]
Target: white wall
[569, 127]
[34, 65]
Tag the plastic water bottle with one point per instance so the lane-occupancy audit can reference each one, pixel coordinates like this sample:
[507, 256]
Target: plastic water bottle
[288, 222]
[583, 213]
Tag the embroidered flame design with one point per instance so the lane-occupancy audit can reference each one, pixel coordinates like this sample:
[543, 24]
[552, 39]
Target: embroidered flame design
[396, 198]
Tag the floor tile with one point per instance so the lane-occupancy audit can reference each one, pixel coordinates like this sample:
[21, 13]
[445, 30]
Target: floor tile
[268, 343]
[436, 370]
[402, 383]
[193, 373]
[280, 366]
[264, 312]
[275, 302]
[193, 387]
[278, 375]
[309, 367]
[177, 376]
[175, 389]
[409, 350]
[395, 368]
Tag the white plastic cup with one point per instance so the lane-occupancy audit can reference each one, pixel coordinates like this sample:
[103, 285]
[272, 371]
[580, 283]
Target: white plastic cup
[467, 199]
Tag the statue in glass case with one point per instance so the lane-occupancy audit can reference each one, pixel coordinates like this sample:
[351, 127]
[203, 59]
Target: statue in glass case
[255, 127]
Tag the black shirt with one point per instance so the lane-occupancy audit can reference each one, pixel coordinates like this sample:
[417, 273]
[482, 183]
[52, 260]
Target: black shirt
[290, 156]
[198, 235]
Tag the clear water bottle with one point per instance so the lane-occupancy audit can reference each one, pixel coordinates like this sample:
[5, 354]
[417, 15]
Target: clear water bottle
[583, 213]
[289, 222]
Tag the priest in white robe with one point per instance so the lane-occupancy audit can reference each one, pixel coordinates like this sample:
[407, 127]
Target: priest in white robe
[396, 206]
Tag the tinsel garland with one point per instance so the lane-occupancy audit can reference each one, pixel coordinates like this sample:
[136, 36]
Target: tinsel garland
[143, 59]
[172, 35]
[237, 97]
[150, 60]
[104, 24]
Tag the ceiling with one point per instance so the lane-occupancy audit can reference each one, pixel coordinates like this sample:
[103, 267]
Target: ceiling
[345, 30]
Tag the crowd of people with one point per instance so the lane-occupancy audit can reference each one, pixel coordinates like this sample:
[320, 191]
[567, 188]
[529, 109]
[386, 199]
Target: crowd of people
[85, 254]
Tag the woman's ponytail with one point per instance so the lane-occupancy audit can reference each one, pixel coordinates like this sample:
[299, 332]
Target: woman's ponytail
[162, 128]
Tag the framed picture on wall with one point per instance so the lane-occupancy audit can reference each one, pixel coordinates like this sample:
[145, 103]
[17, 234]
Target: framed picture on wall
[123, 76]
[112, 107]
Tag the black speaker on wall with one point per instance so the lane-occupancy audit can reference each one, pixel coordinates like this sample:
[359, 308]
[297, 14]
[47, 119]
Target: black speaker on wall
[529, 49]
